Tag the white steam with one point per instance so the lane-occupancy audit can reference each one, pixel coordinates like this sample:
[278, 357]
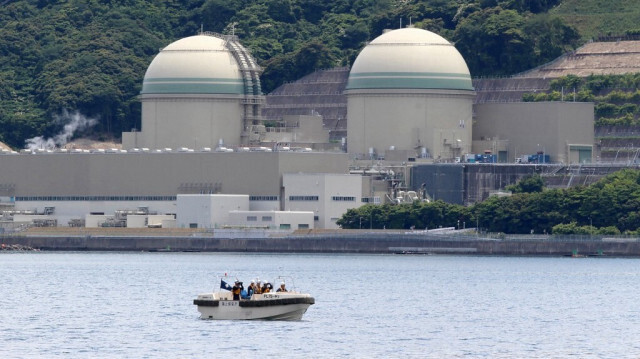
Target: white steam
[73, 122]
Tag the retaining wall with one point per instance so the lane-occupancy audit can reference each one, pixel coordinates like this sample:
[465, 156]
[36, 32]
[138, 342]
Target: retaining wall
[333, 244]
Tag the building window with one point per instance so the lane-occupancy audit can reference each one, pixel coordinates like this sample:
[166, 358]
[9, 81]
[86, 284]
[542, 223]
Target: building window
[374, 200]
[316, 218]
[303, 226]
[303, 198]
[252, 218]
[267, 218]
[285, 226]
[343, 198]
[263, 198]
[97, 198]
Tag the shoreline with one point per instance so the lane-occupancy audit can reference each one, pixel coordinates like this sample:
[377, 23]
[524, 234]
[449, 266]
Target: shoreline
[335, 242]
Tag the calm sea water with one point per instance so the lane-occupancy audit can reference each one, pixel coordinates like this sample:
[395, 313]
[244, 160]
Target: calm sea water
[139, 305]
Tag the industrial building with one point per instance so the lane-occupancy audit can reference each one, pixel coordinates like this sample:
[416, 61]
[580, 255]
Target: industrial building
[409, 90]
[67, 186]
[516, 129]
[213, 151]
[199, 91]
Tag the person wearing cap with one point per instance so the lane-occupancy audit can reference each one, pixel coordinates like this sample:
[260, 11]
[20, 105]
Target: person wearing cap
[236, 289]
[266, 287]
[252, 288]
[282, 288]
[258, 287]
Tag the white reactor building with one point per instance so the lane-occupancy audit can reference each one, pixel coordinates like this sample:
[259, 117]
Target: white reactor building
[200, 91]
[409, 90]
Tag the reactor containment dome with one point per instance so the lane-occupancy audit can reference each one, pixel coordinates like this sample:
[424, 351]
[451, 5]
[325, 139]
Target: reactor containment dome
[409, 89]
[199, 91]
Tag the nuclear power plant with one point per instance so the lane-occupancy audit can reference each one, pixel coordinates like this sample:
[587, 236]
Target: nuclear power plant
[199, 91]
[213, 151]
[409, 90]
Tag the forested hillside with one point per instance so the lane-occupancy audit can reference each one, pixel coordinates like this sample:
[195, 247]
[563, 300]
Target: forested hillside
[91, 55]
[595, 18]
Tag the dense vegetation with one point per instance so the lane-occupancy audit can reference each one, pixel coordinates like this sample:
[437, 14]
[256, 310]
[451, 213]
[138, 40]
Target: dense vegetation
[610, 206]
[594, 18]
[91, 55]
[617, 97]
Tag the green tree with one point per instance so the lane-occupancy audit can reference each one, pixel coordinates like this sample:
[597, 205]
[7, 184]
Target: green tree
[528, 184]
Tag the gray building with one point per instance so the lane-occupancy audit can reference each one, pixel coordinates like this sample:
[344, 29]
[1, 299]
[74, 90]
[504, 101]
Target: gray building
[561, 130]
[70, 185]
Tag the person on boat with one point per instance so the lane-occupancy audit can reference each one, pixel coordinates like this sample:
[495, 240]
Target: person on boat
[252, 288]
[243, 292]
[236, 290]
[258, 287]
[266, 288]
[282, 288]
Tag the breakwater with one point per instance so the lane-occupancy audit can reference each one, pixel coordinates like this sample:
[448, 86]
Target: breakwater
[342, 243]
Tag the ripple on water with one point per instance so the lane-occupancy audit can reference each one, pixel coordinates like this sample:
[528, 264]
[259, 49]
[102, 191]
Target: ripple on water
[140, 305]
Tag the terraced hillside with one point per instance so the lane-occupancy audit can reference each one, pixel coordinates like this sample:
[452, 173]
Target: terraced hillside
[595, 18]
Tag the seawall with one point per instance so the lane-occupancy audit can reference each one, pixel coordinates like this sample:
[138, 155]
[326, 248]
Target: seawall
[372, 243]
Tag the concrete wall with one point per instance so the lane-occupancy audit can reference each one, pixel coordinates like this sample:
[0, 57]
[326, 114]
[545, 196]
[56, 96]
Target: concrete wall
[157, 174]
[442, 181]
[136, 221]
[300, 129]
[164, 221]
[208, 210]
[265, 204]
[78, 184]
[374, 243]
[531, 127]
[95, 220]
[469, 183]
[328, 196]
[272, 219]
[192, 121]
[439, 120]
[144, 221]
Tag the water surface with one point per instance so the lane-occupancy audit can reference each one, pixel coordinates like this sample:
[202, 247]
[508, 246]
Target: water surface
[139, 305]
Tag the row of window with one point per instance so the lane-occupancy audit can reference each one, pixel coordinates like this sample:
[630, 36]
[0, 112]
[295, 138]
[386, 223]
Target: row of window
[343, 198]
[171, 198]
[255, 218]
[96, 198]
[288, 226]
[375, 200]
[263, 198]
[303, 198]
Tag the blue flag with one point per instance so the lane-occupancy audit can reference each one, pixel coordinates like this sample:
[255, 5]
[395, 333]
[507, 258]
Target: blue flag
[224, 285]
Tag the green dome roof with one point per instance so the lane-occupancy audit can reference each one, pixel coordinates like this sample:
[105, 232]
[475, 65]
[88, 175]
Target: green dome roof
[410, 58]
[198, 64]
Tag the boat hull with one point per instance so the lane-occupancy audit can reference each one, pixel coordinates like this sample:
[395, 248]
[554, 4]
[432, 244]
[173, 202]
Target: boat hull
[261, 307]
[234, 312]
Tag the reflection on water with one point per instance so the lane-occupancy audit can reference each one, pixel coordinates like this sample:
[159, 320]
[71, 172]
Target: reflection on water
[140, 305]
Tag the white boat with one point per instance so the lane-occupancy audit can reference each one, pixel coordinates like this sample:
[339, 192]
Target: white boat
[290, 305]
